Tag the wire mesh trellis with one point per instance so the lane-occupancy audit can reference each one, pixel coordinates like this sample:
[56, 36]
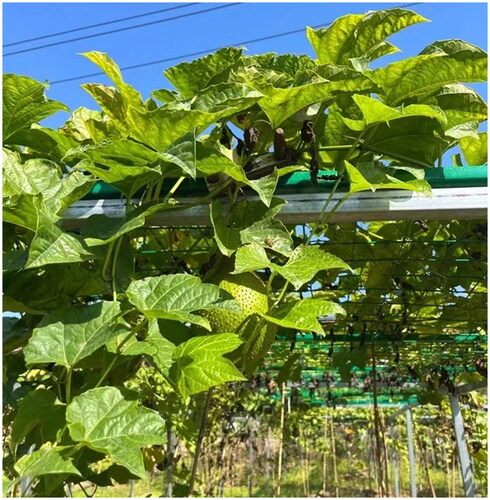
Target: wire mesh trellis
[417, 290]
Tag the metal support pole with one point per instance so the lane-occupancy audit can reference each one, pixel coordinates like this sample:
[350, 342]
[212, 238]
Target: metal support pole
[411, 454]
[394, 461]
[464, 457]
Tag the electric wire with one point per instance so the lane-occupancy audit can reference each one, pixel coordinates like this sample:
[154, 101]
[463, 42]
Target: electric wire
[119, 30]
[206, 51]
[97, 25]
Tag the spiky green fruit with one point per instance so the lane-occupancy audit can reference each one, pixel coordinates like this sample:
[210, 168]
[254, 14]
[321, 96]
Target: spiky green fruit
[251, 296]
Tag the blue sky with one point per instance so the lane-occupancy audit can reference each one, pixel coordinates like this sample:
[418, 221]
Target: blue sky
[228, 26]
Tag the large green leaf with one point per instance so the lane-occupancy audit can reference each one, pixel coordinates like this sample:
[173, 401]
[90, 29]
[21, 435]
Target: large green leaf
[66, 336]
[269, 233]
[441, 64]
[475, 151]
[417, 140]
[191, 77]
[128, 179]
[225, 95]
[182, 153]
[280, 104]
[24, 103]
[155, 346]
[245, 219]
[174, 297]
[51, 245]
[210, 161]
[40, 176]
[34, 177]
[303, 314]
[199, 364]
[39, 409]
[360, 35]
[251, 258]
[114, 102]
[306, 261]
[369, 177]
[374, 111]
[48, 459]
[107, 421]
[460, 104]
[44, 141]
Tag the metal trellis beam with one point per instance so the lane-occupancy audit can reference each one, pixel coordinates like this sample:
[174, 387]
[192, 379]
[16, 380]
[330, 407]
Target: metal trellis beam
[445, 203]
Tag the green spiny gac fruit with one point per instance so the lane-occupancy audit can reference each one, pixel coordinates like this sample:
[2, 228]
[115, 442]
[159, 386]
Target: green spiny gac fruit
[251, 296]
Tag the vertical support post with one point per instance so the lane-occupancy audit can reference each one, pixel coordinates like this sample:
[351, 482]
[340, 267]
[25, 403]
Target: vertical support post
[268, 454]
[277, 493]
[250, 462]
[411, 453]
[394, 461]
[170, 462]
[464, 457]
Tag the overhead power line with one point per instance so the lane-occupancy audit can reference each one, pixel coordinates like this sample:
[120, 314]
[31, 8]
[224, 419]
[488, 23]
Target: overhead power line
[158, 21]
[201, 52]
[97, 25]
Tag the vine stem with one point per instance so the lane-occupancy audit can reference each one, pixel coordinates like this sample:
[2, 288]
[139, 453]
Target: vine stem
[68, 385]
[174, 188]
[204, 419]
[322, 213]
[105, 265]
[113, 269]
[113, 362]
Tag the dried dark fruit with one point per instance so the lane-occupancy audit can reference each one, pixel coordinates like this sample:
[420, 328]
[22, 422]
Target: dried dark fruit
[307, 133]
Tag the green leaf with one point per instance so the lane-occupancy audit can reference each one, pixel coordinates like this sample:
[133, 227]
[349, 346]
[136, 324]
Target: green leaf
[360, 35]
[460, 104]
[265, 186]
[199, 364]
[346, 359]
[303, 314]
[111, 153]
[475, 151]
[39, 409]
[49, 143]
[269, 233]
[368, 177]
[101, 229]
[374, 111]
[174, 297]
[48, 459]
[306, 261]
[245, 219]
[105, 420]
[426, 73]
[280, 104]
[127, 179]
[290, 370]
[66, 336]
[24, 103]
[250, 258]
[209, 346]
[51, 245]
[34, 177]
[191, 77]
[114, 103]
[182, 153]
[210, 161]
[418, 140]
[225, 95]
